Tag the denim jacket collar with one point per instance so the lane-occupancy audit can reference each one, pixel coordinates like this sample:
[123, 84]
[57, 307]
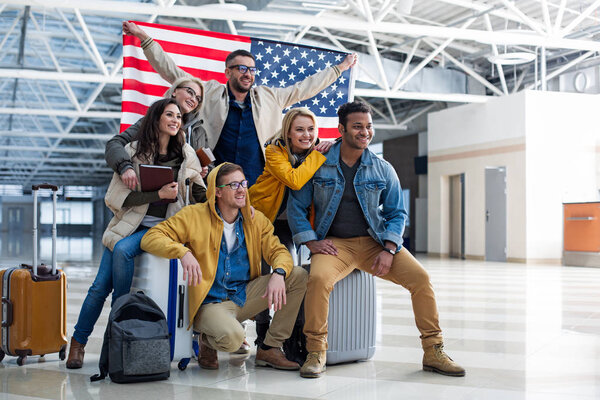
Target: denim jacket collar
[333, 156]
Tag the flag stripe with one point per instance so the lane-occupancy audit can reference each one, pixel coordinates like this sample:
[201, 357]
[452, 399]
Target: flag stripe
[150, 27]
[182, 61]
[183, 49]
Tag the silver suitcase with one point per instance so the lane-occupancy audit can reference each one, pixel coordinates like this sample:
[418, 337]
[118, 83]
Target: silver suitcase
[352, 319]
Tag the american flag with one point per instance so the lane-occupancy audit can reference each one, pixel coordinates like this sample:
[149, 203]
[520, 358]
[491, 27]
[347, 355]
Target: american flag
[202, 54]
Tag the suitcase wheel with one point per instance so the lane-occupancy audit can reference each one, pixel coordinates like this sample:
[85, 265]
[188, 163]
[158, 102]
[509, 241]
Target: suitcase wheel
[21, 360]
[183, 363]
[62, 353]
[2, 354]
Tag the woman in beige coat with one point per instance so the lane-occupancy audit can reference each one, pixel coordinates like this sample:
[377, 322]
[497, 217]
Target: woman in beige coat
[161, 142]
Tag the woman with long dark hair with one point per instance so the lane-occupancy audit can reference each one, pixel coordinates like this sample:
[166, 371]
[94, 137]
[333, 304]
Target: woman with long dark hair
[159, 141]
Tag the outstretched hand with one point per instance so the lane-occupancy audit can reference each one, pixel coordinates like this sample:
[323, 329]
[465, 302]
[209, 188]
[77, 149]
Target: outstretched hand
[349, 62]
[129, 28]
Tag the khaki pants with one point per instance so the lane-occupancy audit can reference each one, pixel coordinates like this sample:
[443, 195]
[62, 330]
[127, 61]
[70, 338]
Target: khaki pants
[360, 252]
[221, 322]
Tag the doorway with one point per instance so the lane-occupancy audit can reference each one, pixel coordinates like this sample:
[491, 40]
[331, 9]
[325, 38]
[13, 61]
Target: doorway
[495, 214]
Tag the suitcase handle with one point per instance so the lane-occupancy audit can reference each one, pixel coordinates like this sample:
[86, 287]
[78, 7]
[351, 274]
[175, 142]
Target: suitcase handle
[44, 186]
[181, 304]
[35, 189]
[9, 312]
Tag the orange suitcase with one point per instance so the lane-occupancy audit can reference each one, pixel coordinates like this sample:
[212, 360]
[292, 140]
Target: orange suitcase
[34, 308]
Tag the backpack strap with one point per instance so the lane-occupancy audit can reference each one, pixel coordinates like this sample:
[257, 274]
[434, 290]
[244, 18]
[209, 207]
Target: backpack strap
[103, 363]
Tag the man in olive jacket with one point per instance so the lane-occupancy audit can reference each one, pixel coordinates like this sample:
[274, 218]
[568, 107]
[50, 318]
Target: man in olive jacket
[222, 264]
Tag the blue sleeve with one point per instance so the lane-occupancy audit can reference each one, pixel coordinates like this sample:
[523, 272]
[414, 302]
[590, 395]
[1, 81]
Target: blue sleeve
[394, 209]
[298, 207]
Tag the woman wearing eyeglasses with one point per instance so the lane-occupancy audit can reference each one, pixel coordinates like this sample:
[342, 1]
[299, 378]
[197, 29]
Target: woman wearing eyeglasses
[159, 141]
[188, 91]
[292, 158]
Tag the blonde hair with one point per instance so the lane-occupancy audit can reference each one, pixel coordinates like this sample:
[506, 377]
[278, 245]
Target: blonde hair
[286, 127]
[179, 81]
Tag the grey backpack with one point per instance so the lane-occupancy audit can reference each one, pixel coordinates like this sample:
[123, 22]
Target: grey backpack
[136, 342]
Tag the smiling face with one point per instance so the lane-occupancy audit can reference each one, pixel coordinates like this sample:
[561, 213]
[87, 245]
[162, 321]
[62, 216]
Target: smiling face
[170, 120]
[186, 96]
[238, 81]
[302, 134]
[358, 132]
[231, 198]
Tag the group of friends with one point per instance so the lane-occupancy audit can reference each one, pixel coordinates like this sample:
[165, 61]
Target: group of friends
[274, 186]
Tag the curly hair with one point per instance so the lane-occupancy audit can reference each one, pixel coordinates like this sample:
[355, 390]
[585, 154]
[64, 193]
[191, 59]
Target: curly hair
[349, 108]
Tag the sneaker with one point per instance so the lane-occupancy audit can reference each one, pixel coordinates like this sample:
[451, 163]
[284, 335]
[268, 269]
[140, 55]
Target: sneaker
[436, 360]
[314, 365]
[275, 358]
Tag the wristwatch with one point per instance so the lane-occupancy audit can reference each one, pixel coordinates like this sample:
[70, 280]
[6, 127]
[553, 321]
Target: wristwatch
[392, 252]
[279, 271]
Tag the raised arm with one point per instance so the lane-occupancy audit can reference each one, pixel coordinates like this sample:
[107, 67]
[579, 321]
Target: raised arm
[158, 59]
[313, 84]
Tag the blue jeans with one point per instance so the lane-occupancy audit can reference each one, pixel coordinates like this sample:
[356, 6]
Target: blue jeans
[115, 274]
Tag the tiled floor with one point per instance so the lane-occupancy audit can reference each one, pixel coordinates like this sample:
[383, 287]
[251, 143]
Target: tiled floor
[521, 331]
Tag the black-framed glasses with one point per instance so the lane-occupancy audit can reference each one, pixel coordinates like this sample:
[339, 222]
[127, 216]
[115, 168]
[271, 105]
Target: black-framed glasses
[191, 92]
[244, 68]
[235, 185]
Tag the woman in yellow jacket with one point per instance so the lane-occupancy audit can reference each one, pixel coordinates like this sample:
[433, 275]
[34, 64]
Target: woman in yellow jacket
[292, 158]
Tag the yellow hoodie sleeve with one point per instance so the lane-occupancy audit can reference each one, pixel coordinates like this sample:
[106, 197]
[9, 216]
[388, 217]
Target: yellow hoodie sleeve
[279, 166]
[166, 239]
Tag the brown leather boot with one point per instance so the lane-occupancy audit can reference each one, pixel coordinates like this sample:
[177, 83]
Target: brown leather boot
[76, 353]
[436, 360]
[314, 365]
[275, 358]
[208, 356]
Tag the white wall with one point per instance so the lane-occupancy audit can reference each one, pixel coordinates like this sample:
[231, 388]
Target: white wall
[467, 139]
[546, 141]
[561, 164]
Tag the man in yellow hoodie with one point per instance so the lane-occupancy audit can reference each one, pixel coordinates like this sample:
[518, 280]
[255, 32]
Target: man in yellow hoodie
[221, 245]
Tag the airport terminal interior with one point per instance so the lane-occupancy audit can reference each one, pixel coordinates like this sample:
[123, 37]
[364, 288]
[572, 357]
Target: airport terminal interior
[486, 110]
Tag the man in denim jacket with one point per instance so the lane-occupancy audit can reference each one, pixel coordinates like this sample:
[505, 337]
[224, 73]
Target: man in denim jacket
[359, 225]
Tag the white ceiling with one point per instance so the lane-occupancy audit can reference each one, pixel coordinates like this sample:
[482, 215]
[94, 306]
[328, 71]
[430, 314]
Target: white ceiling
[60, 62]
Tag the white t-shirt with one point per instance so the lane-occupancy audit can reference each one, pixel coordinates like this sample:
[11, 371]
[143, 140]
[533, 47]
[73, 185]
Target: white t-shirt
[229, 231]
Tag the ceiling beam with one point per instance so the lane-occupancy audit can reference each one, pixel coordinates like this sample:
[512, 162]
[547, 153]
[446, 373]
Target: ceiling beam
[446, 97]
[61, 113]
[55, 135]
[330, 22]
[59, 76]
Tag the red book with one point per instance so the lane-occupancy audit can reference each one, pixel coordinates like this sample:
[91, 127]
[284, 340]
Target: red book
[154, 177]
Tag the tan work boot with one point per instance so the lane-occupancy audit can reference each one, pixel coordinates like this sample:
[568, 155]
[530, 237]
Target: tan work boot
[314, 365]
[76, 353]
[436, 360]
[275, 358]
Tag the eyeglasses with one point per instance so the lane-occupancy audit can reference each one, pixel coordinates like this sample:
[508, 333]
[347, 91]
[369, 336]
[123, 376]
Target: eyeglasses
[235, 185]
[243, 69]
[192, 93]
